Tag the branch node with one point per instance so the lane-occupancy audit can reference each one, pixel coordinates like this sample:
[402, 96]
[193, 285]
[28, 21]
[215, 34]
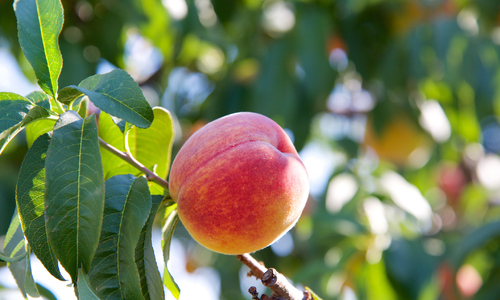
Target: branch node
[253, 291]
[307, 295]
[270, 277]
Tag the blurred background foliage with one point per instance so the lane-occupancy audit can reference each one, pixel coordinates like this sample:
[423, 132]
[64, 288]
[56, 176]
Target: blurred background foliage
[394, 106]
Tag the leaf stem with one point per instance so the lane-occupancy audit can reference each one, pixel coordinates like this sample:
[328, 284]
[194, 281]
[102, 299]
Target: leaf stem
[134, 162]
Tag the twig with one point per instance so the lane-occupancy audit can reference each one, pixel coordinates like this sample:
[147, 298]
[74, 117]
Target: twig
[256, 268]
[281, 286]
[134, 162]
[277, 282]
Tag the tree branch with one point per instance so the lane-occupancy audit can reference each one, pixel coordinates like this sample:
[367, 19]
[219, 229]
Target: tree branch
[277, 282]
[134, 162]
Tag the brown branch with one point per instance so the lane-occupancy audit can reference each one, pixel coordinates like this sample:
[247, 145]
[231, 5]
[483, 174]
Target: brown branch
[257, 269]
[134, 162]
[277, 282]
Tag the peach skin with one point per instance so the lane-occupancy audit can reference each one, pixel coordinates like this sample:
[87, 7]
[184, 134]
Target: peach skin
[239, 184]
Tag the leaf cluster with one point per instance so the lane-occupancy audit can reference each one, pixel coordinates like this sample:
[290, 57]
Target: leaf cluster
[80, 204]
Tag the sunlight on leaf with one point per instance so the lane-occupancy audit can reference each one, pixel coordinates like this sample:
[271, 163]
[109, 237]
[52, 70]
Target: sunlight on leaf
[153, 146]
[39, 24]
[30, 199]
[110, 133]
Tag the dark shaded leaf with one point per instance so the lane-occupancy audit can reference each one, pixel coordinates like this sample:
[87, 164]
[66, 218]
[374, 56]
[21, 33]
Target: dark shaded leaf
[39, 98]
[68, 95]
[35, 113]
[45, 293]
[119, 95]
[409, 267]
[151, 284]
[473, 241]
[85, 291]
[15, 245]
[13, 109]
[114, 273]
[74, 192]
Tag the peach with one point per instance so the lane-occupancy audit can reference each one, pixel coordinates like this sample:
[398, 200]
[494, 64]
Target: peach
[239, 184]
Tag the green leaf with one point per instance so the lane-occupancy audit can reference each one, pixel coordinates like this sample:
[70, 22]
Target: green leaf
[15, 245]
[39, 98]
[74, 191]
[45, 293]
[39, 24]
[168, 232]
[85, 291]
[171, 285]
[151, 284]
[153, 146]
[30, 193]
[8, 135]
[83, 107]
[13, 109]
[43, 100]
[168, 228]
[35, 113]
[119, 95]
[29, 282]
[16, 112]
[114, 273]
[36, 129]
[13, 242]
[123, 125]
[68, 95]
[111, 134]
[13, 259]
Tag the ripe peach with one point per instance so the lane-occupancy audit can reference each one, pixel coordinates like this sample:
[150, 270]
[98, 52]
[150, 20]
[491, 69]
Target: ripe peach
[239, 184]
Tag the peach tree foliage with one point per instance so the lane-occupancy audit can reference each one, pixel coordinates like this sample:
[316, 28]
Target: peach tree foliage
[83, 198]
